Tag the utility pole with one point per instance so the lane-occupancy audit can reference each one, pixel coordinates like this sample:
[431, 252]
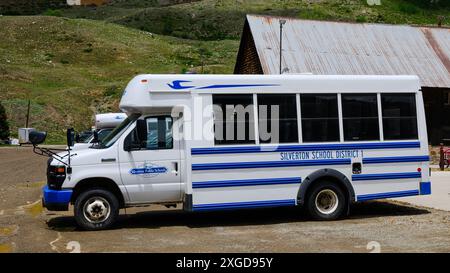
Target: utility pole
[282, 22]
[28, 114]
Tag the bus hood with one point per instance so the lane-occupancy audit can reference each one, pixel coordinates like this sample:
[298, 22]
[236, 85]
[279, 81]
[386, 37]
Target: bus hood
[84, 156]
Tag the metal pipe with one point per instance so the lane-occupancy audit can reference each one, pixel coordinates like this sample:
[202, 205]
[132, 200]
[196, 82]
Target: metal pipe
[282, 22]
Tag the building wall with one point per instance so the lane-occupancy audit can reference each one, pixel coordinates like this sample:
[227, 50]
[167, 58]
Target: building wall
[437, 111]
[256, 53]
[247, 60]
[436, 100]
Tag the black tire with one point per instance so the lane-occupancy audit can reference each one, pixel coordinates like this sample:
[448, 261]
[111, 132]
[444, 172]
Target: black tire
[318, 210]
[99, 196]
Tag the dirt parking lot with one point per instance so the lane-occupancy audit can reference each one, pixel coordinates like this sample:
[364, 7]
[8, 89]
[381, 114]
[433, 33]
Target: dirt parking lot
[26, 227]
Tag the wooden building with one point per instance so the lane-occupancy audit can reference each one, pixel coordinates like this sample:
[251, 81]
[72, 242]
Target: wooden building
[337, 48]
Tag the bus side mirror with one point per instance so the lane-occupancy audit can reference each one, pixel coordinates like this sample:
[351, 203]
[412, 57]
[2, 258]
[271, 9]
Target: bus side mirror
[36, 137]
[70, 137]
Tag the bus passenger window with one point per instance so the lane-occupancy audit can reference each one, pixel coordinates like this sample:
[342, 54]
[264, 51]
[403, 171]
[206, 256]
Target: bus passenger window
[320, 122]
[360, 117]
[399, 116]
[233, 119]
[279, 110]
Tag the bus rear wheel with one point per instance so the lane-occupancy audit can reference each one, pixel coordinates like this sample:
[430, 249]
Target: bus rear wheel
[326, 201]
[96, 209]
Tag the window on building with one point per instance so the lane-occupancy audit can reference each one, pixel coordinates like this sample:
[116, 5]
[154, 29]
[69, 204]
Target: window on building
[320, 122]
[360, 117]
[399, 116]
[280, 111]
[233, 119]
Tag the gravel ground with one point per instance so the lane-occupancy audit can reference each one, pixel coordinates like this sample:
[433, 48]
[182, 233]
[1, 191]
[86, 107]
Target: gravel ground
[25, 227]
[21, 173]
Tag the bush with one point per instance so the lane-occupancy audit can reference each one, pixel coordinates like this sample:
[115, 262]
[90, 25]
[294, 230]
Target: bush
[361, 19]
[408, 8]
[4, 125]
[53, 12]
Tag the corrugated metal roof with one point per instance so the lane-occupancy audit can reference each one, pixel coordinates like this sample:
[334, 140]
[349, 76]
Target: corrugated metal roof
[329, 48]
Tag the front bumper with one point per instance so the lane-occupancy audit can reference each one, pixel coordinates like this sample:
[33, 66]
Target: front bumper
[56, 200]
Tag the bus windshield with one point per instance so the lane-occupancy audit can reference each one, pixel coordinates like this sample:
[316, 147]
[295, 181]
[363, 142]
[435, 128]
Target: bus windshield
[112, 137]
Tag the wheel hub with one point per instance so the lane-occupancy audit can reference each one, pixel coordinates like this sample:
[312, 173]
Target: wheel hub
[327, 201]
[96, 210]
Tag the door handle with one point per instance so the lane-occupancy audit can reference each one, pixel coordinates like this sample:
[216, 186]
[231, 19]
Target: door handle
[175, 167]
[108, 160]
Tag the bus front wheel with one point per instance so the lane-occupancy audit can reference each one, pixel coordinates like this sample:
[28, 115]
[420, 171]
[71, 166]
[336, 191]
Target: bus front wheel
[326, 201]
[96, 209]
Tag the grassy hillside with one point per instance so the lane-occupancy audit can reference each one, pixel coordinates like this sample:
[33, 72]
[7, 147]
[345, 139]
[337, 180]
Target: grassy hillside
[72, 68]
[223, 19]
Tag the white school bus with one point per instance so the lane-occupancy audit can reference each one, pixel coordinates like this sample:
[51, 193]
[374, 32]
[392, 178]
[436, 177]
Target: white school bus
[215, 142]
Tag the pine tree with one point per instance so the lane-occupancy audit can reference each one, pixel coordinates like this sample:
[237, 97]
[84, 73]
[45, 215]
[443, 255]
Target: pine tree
[4, 126]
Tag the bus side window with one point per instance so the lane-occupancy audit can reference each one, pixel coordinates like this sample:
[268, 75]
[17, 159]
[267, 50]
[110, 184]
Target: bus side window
[399, 116]
[233, 119]
[284, 110]
[159, 133]
[320, 121]
[360, 117]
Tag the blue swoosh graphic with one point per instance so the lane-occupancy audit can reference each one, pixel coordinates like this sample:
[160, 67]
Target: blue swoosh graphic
[215, 86]
[177, 85]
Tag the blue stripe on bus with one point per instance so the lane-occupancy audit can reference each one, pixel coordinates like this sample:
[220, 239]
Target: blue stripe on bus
[216, 86]
[269, 164]
[387, 195]
[394, 159]
[239, 205]
[290, 148]
[246, 182]
[382, 176]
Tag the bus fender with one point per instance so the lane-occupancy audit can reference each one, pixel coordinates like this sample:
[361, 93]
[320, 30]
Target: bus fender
[325, 173]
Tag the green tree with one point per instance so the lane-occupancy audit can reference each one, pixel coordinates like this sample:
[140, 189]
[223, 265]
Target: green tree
[4, 126]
